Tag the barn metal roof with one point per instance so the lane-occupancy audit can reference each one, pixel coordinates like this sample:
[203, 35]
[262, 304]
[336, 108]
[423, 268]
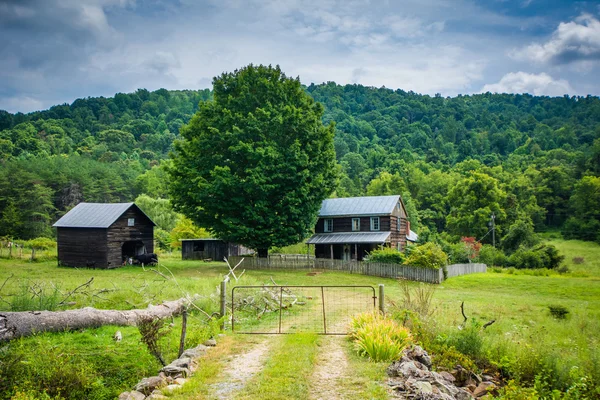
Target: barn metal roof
[349, 238]
[359, 206]
[93, 215]
[412, 236]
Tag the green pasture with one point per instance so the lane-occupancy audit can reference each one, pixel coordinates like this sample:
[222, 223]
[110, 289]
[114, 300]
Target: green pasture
[524, 337]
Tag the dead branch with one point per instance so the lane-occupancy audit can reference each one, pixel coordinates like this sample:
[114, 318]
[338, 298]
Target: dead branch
[87, 284]
[488, 323]
[6, 280]
[462, 310]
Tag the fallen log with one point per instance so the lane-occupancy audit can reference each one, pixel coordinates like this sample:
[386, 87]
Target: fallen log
[19, 324]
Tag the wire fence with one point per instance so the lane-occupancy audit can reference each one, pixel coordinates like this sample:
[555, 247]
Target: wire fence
[292, 309]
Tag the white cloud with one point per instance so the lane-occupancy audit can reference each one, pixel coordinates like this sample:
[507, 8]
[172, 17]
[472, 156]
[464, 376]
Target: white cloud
[536, 84]
[578, 40]
[21, 103]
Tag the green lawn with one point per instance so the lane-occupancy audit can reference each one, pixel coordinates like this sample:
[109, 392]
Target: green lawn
[524, 329]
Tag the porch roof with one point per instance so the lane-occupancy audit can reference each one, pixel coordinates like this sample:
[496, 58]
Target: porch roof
[349, 238]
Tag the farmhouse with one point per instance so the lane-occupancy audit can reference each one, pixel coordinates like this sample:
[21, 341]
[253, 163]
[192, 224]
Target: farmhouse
[349, 228]
[209, 248]
[100, 235]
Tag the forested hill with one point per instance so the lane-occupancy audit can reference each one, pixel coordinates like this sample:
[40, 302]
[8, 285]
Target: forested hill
[534, 161]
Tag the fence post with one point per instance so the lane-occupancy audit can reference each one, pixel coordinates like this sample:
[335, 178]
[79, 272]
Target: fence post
[381, 298]
[223, 301]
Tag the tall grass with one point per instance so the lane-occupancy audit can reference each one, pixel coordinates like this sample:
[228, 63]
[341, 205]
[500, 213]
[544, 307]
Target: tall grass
[378, 338]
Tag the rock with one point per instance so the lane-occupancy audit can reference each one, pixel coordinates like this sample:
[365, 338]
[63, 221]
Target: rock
[156, 391]
[180, 381]
[118, 336]
[221, 335]
[195, 352]
[422, 386]
[183, 362]
[460, 375]
[471, 388]
[133, 395]
[483, 389]
[156, 397]
[176, 372]
[172, 387]
[147, 385]
[447, 376]
[417, 353]
[210, 343]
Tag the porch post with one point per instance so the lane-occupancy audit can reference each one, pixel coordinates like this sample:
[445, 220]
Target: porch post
[356, 251]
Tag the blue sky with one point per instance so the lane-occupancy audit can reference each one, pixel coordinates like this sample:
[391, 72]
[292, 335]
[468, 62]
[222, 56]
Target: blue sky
[54, 51]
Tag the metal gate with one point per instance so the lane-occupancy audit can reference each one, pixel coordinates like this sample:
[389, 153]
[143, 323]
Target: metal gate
[325, 310]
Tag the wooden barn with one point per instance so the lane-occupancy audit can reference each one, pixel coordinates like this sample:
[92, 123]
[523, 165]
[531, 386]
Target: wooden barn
[208, 248]
[99, 235]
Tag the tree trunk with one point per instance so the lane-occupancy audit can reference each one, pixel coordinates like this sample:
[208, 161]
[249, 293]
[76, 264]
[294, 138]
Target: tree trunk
[18, 324]
[263, 253]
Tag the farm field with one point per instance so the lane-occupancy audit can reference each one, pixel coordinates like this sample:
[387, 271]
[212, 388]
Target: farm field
[524, 337]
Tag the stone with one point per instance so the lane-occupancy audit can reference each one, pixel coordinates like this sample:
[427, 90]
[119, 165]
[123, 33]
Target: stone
[176, 372]
[147, 385]
[417, 353]
[133, 395]
[447, 376]
[183, 362]
[483, 389]
[156, 391]
[156, 397]
[210, 343]
[195, 352]
[422, 386]
[180, 381]
[172, 387]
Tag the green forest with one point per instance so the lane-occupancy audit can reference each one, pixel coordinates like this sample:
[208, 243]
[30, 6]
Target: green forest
[533, 162]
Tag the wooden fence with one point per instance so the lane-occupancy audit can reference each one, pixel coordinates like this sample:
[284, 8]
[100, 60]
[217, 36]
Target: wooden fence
[357, 267]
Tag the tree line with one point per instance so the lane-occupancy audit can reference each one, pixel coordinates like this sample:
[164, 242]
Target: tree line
[533, 162]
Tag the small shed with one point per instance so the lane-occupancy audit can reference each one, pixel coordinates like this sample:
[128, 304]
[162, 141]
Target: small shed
[103, 235]
[209, 248]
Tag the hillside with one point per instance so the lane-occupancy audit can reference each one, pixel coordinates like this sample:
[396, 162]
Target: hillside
[533, 161]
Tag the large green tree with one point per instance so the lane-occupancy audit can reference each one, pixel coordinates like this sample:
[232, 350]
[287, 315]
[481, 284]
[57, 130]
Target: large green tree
[255, 162]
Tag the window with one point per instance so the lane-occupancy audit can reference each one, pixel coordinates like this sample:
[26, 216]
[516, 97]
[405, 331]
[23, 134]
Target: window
[130, 221]
[328, 225]
[356, 224]
[398, 223]
[399, 246]
[374, 223]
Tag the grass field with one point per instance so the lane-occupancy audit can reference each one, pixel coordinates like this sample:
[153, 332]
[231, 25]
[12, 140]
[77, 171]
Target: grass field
[525, 343]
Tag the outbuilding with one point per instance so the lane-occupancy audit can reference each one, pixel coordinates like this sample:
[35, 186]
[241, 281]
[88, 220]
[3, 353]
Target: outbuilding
[209, 248]
[103, 235]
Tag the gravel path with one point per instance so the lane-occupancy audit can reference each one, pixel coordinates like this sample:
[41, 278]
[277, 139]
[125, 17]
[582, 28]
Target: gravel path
[240, 370]
[331, 367]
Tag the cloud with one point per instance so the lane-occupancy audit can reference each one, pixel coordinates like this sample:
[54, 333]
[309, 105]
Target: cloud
[578, 40]
[536, 84]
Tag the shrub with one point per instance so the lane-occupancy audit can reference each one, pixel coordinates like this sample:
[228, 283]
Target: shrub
[519, 234]
[558, 311]
[379, 338]
[543, 256]
[386, 255]
[490, 255]
[578, 260]
[428, 255]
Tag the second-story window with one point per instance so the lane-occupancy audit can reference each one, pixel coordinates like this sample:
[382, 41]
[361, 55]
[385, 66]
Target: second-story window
[328, 225]
[398, 223]
[130, 221]
[356, 224]
[374, 223]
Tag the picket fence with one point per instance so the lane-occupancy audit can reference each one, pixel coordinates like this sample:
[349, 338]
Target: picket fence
[296, 261]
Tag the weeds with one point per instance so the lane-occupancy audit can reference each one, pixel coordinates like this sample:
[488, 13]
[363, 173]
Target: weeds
[558, 311]
[418, 298]
[151, 330]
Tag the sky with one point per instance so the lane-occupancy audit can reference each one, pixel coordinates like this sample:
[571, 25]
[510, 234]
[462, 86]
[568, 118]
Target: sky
[55, 51]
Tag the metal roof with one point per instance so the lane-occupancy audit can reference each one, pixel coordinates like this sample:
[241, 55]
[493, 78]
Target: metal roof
[412, 237]
[359, 206]
[93, 215]
[349, 238]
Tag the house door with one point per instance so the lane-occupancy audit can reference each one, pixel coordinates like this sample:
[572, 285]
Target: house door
[347, 255]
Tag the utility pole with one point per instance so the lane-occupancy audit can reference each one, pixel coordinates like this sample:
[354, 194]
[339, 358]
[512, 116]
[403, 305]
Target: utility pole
[493, 223]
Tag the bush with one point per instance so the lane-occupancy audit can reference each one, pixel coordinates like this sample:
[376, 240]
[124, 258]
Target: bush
[428, 255]
[378, 338]
[558, 311]
[543, 256]
[386, 255]
[490, 255]
[520, 234]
